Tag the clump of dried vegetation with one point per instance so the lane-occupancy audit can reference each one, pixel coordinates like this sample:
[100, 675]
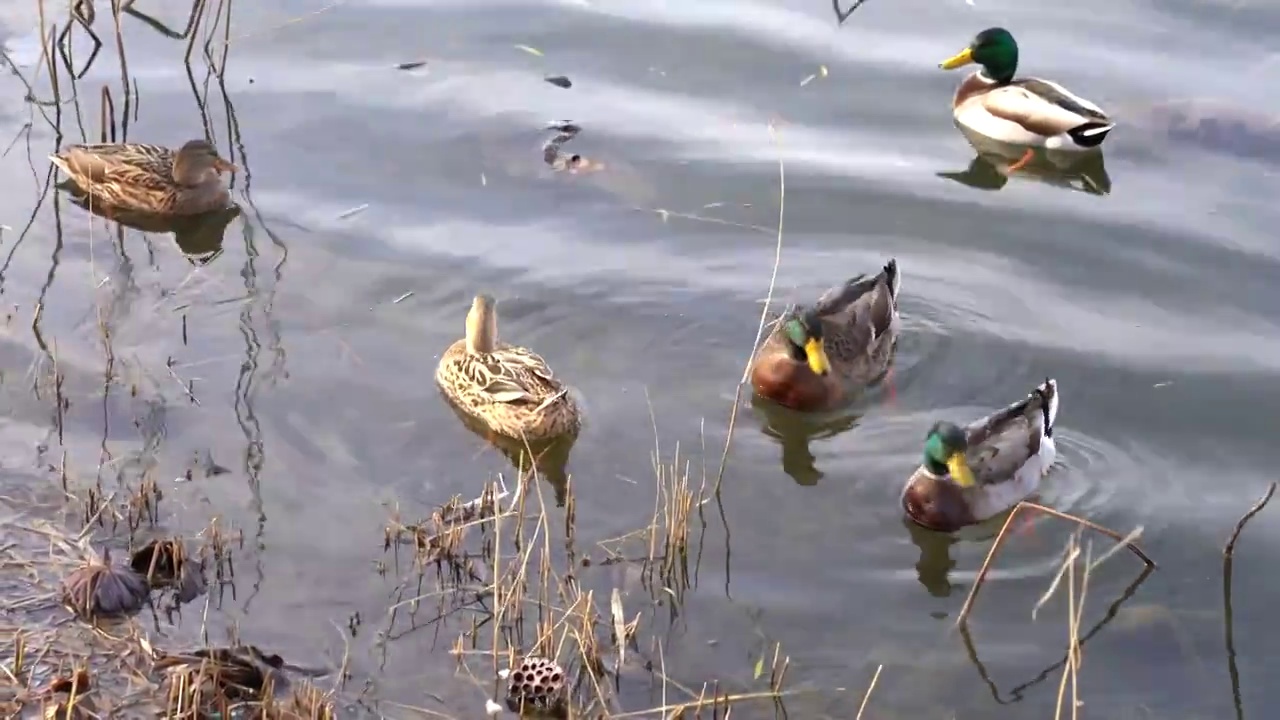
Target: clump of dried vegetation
[74, 622]
[539, 623]
[79, 646]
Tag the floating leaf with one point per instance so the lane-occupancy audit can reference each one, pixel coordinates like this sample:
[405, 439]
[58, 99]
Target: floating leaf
[530, 50]
[559, 81]
[759, 667]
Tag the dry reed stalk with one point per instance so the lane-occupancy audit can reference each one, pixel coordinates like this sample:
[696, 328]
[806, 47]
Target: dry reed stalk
[1072, 668]
[587, 631]
[764, 313]
[1228, 564]
[1004, 530]
[866, 696]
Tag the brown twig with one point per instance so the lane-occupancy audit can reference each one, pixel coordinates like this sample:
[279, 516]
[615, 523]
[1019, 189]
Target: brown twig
[842, 15]
[1228, 561]
[1228, 552]
[995, 547]
[764, 313]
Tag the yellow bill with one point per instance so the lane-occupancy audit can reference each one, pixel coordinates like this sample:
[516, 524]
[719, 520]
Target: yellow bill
[964, 57]
[817, 356]
[959, 470]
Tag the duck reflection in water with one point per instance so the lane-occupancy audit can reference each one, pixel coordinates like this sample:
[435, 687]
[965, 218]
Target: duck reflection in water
[548, 458]
[995, 162]
[199, 237]
[794, 431]
[935, 558]
[935, 564]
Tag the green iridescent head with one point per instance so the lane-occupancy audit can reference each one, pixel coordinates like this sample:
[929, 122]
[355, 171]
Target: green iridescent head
[994, 49]
[804, 330]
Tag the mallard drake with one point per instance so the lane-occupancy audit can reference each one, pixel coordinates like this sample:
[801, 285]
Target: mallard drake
[1031, 111]
[509, 389]
[816, 355]
[974, 473]
[149, 178]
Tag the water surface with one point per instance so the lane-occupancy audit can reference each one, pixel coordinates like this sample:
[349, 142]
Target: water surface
[1153, 305]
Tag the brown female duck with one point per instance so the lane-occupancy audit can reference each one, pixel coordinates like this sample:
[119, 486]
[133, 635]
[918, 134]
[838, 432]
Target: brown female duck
[817, 355]
[149, 178]
[506, 388]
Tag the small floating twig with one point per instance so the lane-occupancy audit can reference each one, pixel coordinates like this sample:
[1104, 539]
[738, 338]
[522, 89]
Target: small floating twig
[822, 72]
[842, 15]
[353, 211]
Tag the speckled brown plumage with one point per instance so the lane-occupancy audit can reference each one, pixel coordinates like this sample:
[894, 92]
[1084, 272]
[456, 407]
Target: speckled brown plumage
[149, 178]
[509, 389]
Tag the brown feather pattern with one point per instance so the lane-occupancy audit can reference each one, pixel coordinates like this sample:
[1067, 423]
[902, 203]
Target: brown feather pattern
[140, 176]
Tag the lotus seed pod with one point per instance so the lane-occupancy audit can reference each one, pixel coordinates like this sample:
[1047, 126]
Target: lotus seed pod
[536, 684]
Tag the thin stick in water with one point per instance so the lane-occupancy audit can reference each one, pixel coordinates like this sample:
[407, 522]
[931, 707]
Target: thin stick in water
[867, 695]
[1004, 530]
[764, 312]
[1228, 562]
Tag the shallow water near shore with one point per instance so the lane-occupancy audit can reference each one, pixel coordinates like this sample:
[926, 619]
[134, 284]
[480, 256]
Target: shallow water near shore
[376, 202]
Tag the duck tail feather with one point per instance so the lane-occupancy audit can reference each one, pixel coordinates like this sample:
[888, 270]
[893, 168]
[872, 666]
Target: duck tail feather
[1090, 134]
[1049, 392]
[893, 277]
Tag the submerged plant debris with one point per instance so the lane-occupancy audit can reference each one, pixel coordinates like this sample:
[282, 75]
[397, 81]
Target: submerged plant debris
[553, 155]
[165, 564]
[99, 589]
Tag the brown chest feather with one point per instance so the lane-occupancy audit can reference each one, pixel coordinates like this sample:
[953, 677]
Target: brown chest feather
[792, 384]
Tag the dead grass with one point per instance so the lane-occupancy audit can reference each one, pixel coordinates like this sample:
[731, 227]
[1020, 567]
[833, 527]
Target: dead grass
[510, 565]
[73, 662]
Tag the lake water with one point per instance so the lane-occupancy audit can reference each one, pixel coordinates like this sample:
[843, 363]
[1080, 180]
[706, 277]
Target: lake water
[1154, 305]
